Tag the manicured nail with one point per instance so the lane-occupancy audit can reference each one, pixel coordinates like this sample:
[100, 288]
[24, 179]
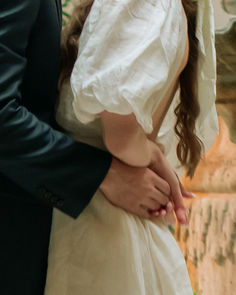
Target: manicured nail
[163, 212]
[193, 195]
[184, 218]
[156, 213]
[169, 205]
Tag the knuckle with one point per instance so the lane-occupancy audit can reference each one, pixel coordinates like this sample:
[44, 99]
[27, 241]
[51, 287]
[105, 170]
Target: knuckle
[176, 182]
[157, 207]
[147, 177]
[146, 198]
[164, 200]
[150, 187]
[167, 188]
[154, 190]
[153, 206]
[161, 198]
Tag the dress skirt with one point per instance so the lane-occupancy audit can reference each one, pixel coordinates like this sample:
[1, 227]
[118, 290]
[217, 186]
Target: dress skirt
[107, 251]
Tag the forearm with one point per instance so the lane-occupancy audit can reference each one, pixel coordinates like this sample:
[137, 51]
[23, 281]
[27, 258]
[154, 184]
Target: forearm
[126, 140]
[136, 151]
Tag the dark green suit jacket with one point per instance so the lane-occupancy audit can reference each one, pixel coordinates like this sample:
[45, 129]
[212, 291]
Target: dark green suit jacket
[39, 166]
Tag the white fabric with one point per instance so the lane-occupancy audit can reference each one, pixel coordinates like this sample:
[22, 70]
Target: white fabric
[129, 51]
[116, 78]
[107, 251]
[207, 123]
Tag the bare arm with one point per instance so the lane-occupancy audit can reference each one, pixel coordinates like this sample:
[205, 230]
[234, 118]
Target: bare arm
[126, 140]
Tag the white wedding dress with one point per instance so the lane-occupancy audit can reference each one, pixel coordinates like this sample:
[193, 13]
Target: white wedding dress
[129, 52]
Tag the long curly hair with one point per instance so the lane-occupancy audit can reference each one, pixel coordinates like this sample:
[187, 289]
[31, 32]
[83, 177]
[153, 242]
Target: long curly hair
[189, 148]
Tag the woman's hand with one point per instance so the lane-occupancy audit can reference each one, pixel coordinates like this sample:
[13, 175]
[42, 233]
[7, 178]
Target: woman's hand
[161, 166]
[126, 140]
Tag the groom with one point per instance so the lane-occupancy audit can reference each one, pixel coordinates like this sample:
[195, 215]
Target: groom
[40, 167]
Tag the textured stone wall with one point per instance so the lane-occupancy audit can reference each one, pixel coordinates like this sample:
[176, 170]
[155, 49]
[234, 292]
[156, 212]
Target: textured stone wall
[209, 244]
[67, 7]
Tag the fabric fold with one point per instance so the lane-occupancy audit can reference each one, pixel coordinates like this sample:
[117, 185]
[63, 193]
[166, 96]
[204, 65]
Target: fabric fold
[126, 58]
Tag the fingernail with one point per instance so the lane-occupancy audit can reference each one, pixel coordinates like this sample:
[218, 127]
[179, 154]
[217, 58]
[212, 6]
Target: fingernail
[163, 212]
[156, 213]
[184, 218]
[169, 205]
[193, 195]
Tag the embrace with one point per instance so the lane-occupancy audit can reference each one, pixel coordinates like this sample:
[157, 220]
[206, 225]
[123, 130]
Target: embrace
[97, 124]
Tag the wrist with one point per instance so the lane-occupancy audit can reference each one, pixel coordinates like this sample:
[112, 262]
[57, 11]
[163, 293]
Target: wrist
[106, 180]
[155, 153]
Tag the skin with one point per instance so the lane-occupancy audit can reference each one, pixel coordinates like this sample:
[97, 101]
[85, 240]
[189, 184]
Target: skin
[147, 183]
[141, 191]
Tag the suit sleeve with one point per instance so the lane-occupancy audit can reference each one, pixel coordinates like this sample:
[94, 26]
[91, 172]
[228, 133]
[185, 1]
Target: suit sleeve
[44, 162]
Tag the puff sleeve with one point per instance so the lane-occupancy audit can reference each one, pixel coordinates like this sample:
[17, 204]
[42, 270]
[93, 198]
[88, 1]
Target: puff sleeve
[125, 55]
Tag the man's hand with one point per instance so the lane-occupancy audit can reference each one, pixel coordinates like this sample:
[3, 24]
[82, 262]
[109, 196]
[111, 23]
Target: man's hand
[137, 190]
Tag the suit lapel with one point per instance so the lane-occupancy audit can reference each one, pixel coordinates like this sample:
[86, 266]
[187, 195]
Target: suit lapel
[59, 11]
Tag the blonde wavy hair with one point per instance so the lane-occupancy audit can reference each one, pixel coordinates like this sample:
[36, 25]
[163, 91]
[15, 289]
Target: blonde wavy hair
[189, 148]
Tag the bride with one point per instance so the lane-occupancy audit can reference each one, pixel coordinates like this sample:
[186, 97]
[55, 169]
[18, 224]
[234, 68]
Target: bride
[138, 80]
